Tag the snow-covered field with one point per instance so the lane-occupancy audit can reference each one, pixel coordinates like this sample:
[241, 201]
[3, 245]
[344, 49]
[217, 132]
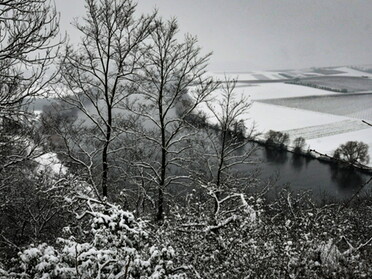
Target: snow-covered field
[353, 72]
[280, 118]
[290, 74]
[351, 105]
[324, 129]
[266, 91]
[259, 75]
[340, 83]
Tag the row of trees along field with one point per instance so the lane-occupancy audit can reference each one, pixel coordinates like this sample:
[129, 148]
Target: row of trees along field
[138, 185]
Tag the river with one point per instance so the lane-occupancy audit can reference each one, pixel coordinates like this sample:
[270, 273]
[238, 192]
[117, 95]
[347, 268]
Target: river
[325, 181]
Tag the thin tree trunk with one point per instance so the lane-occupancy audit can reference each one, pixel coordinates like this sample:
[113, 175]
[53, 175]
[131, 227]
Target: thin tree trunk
[219, 170]
[105, 164]
[160, 213]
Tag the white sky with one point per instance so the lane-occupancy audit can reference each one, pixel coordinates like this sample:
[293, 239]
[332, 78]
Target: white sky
[249, 35]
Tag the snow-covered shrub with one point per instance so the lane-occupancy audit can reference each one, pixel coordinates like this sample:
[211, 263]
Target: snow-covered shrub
[119, 247]
[34, 208]
[215, 242]
[287, 238]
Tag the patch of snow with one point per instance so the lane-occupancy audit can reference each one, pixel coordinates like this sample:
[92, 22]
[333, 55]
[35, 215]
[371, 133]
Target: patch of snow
[329, 253]
[49, 162]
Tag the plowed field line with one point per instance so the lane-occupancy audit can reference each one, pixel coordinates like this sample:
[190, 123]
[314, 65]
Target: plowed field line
[326, 130]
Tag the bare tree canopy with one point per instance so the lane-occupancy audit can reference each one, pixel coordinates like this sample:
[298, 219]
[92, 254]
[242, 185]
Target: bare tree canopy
[98, 75]
[172, 85]
[28, 43]
[28, 30]
[353, 152]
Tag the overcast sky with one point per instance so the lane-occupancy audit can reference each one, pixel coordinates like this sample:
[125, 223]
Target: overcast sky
[247, 35]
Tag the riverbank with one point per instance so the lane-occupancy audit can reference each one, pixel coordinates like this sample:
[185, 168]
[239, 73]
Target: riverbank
[313, 154]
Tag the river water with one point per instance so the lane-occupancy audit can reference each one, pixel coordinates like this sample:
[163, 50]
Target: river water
[324, 180]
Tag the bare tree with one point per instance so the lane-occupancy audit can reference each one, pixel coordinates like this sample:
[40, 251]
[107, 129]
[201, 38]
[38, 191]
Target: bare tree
[98, 76]
[27, 48]
[353, 152]
[28, 45]
[225, 147]
[172, 85]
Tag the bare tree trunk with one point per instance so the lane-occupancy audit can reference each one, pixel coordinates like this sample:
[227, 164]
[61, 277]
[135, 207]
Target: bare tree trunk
[160, 213]
[105, 164]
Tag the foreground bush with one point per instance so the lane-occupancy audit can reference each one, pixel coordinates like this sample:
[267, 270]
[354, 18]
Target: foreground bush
[290, 238]
[244, 237]
[119, 247]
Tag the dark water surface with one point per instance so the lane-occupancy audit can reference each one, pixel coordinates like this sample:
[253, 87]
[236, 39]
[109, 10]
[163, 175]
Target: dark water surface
[326, 181]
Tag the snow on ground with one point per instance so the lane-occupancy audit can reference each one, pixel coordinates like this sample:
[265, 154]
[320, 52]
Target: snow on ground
[351, 105]
[300, 73]
[352, 72]
[242, 76]
[49, 163]
[272, 117]
[265, 91]
[238, 76]
[323, 132]
[269, 75]
[365, 114]
[328, 144]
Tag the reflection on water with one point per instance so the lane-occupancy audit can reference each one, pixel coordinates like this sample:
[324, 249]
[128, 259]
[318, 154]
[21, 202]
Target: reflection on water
[325, 180]
[297, 161]
[346, 178]
[276, 155]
